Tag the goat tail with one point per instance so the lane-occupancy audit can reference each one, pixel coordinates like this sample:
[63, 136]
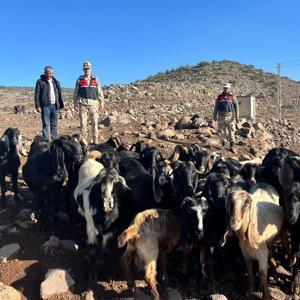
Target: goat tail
[129, 234]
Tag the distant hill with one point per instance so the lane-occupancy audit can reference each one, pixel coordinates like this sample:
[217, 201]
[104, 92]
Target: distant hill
[245, 79]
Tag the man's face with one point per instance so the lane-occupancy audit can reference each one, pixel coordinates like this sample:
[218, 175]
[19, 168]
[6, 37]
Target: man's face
[87, 71]
[49, 73]
[226, 89]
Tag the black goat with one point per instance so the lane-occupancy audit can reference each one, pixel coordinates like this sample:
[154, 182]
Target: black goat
[139, 146]
[185, 180]
[215, 191]
[146, 191]
[50, 167]
[150, 157]
[10, 149]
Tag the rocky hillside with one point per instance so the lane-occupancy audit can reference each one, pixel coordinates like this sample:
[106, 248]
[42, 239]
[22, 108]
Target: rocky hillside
[204, 81]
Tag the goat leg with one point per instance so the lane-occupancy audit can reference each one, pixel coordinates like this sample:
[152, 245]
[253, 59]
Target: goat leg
[163, 264]
[126, 262]
[263, 276]
[3, 191]
[209, 252]
[249, 265]
[14, 179]
[202, 263]
[151, 278]
[91, 255]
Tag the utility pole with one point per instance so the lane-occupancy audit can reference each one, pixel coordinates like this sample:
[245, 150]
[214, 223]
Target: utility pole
[279, 91]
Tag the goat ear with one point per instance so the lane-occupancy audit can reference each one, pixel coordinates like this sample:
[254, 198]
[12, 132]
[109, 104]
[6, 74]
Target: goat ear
[100, 175]
[294, 161]
[175, 164]
[286, 175]
[204, 203]
[184, 201]
[248, 201]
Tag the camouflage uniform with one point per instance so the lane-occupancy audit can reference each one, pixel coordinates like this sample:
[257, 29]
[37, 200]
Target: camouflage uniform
[88, 102]
[226, 114]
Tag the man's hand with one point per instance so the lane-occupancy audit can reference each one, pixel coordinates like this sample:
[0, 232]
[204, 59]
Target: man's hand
[76, 109]
[38, 110]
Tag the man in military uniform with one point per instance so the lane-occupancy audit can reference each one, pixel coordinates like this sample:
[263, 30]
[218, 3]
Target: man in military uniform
[226, 112]
[89, 98]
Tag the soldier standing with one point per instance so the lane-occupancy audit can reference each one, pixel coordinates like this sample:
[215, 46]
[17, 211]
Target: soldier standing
[226, 112]
[89, 98]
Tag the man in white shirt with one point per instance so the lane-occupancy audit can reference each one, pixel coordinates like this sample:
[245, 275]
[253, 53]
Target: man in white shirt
[48, 100]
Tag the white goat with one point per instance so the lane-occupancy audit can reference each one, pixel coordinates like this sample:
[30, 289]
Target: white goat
[257, 219]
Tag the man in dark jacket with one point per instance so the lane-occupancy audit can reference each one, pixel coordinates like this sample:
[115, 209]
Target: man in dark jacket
[48, 101]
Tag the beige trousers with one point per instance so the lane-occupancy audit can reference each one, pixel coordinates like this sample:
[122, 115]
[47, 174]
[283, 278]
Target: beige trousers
[89, 110]
[227, 128]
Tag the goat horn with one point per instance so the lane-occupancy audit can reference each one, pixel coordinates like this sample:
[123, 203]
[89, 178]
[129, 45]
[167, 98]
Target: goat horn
[123, 182]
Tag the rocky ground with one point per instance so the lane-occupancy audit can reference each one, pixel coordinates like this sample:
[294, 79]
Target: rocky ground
[164, 113]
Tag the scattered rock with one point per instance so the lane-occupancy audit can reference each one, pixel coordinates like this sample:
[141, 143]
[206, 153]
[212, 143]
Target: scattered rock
[247, 124]
[217, 297]
[167, 133]
[245, 132]
[88, 295]
[253, 151]
[52, 242]
[13, 230]
[55, 242]
[244, 157]
[179, 136]
[184, 123]
[152, 135]
[7, 251]
[9, 293]
[139, 295]
[173, 294]
[56, 281]
[277, 294]
[258, 126]
[4, 227]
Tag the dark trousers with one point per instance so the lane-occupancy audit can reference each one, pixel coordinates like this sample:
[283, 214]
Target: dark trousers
[49, 116]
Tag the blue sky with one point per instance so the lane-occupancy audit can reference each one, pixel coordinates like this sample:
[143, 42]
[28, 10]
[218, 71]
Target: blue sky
[128, 40]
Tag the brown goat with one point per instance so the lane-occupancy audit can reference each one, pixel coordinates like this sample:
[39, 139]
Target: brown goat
[152, 234]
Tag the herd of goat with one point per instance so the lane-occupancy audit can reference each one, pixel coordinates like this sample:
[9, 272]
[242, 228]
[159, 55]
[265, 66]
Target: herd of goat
[136, 198]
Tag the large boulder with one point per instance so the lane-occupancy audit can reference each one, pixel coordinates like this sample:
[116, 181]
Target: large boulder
[8, 250]
[56, 281]
[9, 293]
[167, 133]
[184, 123]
